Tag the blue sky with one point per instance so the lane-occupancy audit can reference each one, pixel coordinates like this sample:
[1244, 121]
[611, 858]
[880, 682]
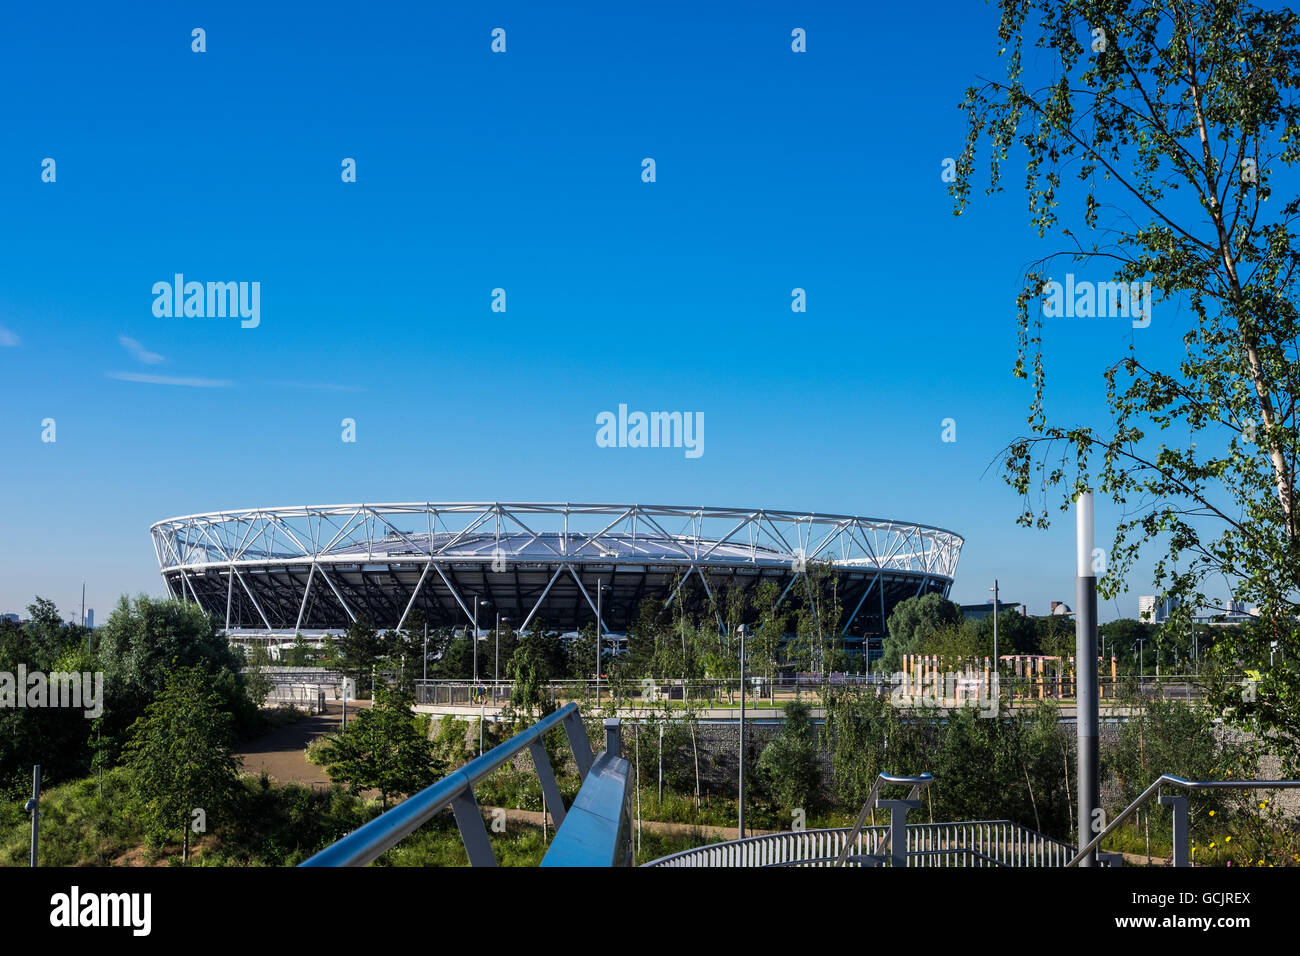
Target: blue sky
[521, 171]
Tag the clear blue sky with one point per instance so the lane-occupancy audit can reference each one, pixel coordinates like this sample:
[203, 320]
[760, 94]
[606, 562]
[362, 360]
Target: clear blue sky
[775, 170]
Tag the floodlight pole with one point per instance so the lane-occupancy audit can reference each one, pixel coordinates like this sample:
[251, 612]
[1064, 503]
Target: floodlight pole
[1085, 652]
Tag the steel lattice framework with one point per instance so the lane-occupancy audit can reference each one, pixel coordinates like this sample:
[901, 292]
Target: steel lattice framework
[272, 571]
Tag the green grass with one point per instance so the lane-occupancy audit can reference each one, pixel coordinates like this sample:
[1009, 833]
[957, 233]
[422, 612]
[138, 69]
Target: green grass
[80, 825]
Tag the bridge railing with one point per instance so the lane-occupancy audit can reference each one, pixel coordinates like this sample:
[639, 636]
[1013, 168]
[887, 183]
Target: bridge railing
[1181, 833]
[975, 843]
[597, 830]
[456, 790]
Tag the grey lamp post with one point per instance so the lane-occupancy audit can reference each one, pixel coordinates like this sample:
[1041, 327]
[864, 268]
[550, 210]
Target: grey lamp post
[496, 655]
[600, 593]
[994, 589]
[1085, 652]
[477, 602]
[742, 629]
[482, 708]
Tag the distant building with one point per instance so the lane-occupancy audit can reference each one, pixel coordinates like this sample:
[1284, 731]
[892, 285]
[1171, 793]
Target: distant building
[90, 618]
[1151, 610]
[1236, 613]
[1061, 609]
[9, 617]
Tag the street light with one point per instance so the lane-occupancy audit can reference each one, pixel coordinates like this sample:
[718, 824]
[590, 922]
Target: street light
[496, 655]
[742, 630]
[600, 592]
[477, 602]
[994, 589]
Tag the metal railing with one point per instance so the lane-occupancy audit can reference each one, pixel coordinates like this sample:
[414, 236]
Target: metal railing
[309, 697]
[917, 782]
[725, 692]
[1179, 805]
[457, 790]
[975, 843]
[597, 830]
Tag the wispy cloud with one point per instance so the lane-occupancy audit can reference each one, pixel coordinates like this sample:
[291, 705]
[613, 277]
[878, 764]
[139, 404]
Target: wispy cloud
[139, 352]
[171, 380]
[7, 338]
[324, 386]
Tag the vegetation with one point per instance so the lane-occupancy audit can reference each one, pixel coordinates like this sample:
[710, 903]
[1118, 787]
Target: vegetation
[789, 766]
[141, 645]
[385, 747]
[183, 768]
[1176, 119]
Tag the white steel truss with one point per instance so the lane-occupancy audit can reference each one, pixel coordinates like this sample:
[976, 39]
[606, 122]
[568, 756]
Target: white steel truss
[309, 565]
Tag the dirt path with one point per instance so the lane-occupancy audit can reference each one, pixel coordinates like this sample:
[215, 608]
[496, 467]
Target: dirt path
[282, 753]
[534, 817]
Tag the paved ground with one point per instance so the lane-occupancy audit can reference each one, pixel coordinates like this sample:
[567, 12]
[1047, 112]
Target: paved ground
[282, 753]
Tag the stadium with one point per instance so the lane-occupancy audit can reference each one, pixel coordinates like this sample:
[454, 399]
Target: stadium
[271, 573]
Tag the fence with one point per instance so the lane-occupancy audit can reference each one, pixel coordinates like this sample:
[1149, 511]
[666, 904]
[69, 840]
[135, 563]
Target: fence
[309, 697]
[676, 692]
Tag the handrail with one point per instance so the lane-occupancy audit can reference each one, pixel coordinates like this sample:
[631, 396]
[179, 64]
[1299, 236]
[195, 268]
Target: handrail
[368, 842]
[1007, 842]
[917, 782]
[1190, 785]
[598, 828]
[877, 859]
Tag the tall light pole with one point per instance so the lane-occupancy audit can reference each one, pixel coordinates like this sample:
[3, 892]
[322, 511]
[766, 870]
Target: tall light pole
[994, 589]
[600, 593]
[742, 629]
[477, 602]
[496, 655]
[1087, 718]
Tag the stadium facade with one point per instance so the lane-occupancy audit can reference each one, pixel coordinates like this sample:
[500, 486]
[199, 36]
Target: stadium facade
[276, 572]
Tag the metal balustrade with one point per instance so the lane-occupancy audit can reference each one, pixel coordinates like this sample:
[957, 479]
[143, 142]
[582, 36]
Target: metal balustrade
[597, 830]
[1179, 805]
[975, 843]
[456, 790]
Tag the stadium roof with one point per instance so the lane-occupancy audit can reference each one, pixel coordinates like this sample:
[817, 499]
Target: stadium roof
[292, 568]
